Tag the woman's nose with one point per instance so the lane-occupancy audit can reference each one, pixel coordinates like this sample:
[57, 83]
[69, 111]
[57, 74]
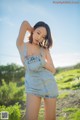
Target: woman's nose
[39, 37]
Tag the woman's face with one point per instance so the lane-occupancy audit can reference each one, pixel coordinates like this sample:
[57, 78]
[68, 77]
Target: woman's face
[39, 35]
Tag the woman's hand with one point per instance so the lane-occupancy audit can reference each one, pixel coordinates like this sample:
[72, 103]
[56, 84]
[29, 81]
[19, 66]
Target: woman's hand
[47, 62]
[50, 68]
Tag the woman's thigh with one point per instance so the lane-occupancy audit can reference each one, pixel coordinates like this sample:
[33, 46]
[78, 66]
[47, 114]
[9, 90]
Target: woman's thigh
[32, 107]
[50, 108]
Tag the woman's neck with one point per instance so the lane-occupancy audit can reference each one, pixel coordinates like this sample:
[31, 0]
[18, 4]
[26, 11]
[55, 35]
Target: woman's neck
[36, 45]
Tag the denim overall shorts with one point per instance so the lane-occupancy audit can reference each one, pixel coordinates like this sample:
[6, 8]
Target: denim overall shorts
[38, 80]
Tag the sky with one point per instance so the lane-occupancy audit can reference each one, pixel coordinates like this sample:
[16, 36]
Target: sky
[63, 20]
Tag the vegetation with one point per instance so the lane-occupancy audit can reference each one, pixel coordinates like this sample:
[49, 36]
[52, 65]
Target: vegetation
[10, 93]
[13, 98]
[11, 73]
[69, 79]
[14, 111]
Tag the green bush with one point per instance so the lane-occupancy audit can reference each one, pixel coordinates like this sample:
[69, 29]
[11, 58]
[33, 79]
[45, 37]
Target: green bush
[68, 79]
[11, 72]
[14, 111]
[63, 95]
[10, 93]
[75, 115]
[21, 82]
[72, 113]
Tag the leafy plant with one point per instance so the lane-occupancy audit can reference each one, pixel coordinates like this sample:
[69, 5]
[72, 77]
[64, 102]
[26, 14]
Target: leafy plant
[14, 111]
[10, 93]
[68, 79]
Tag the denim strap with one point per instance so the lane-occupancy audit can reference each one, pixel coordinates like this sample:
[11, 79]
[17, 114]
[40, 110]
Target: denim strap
[42, 51]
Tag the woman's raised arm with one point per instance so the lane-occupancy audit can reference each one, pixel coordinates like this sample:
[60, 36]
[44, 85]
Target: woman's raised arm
[25, 26]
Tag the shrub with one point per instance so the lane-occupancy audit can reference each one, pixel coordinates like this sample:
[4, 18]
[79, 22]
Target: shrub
[14, 111]
[10, 93]
[11, 72]
[74, 113]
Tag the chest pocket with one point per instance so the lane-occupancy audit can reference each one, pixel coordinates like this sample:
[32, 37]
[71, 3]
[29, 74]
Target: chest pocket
[34, 63]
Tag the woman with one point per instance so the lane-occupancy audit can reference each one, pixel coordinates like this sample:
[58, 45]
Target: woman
[39, 78]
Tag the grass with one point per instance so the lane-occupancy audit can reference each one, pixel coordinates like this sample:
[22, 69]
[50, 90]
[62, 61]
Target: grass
[75, 116]
[41, 114]
[63, 95]
[68, 79]
[70, 114]
[74, 113]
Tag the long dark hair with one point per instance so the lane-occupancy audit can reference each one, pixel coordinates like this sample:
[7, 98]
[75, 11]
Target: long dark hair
[48, 38]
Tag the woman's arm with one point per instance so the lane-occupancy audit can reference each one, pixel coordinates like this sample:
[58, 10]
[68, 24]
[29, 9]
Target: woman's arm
[25, 26]
[49, 63]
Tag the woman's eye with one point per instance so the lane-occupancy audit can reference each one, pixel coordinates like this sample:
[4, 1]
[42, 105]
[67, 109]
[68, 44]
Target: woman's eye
[43, 38]
[38, 33]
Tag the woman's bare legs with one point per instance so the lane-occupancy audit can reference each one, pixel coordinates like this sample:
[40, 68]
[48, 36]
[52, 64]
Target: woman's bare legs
[50, 108]
[32, 107]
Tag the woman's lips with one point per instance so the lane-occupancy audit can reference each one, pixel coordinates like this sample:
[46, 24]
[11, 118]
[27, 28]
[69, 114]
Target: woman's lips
[37, 42]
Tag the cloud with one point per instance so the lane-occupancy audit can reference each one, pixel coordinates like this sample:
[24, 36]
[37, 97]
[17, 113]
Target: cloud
[66, 59]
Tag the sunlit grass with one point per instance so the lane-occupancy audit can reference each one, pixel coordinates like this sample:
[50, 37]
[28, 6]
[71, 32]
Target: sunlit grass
[68, 79]
[70, 114]
[63, 95]
[41, 114]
